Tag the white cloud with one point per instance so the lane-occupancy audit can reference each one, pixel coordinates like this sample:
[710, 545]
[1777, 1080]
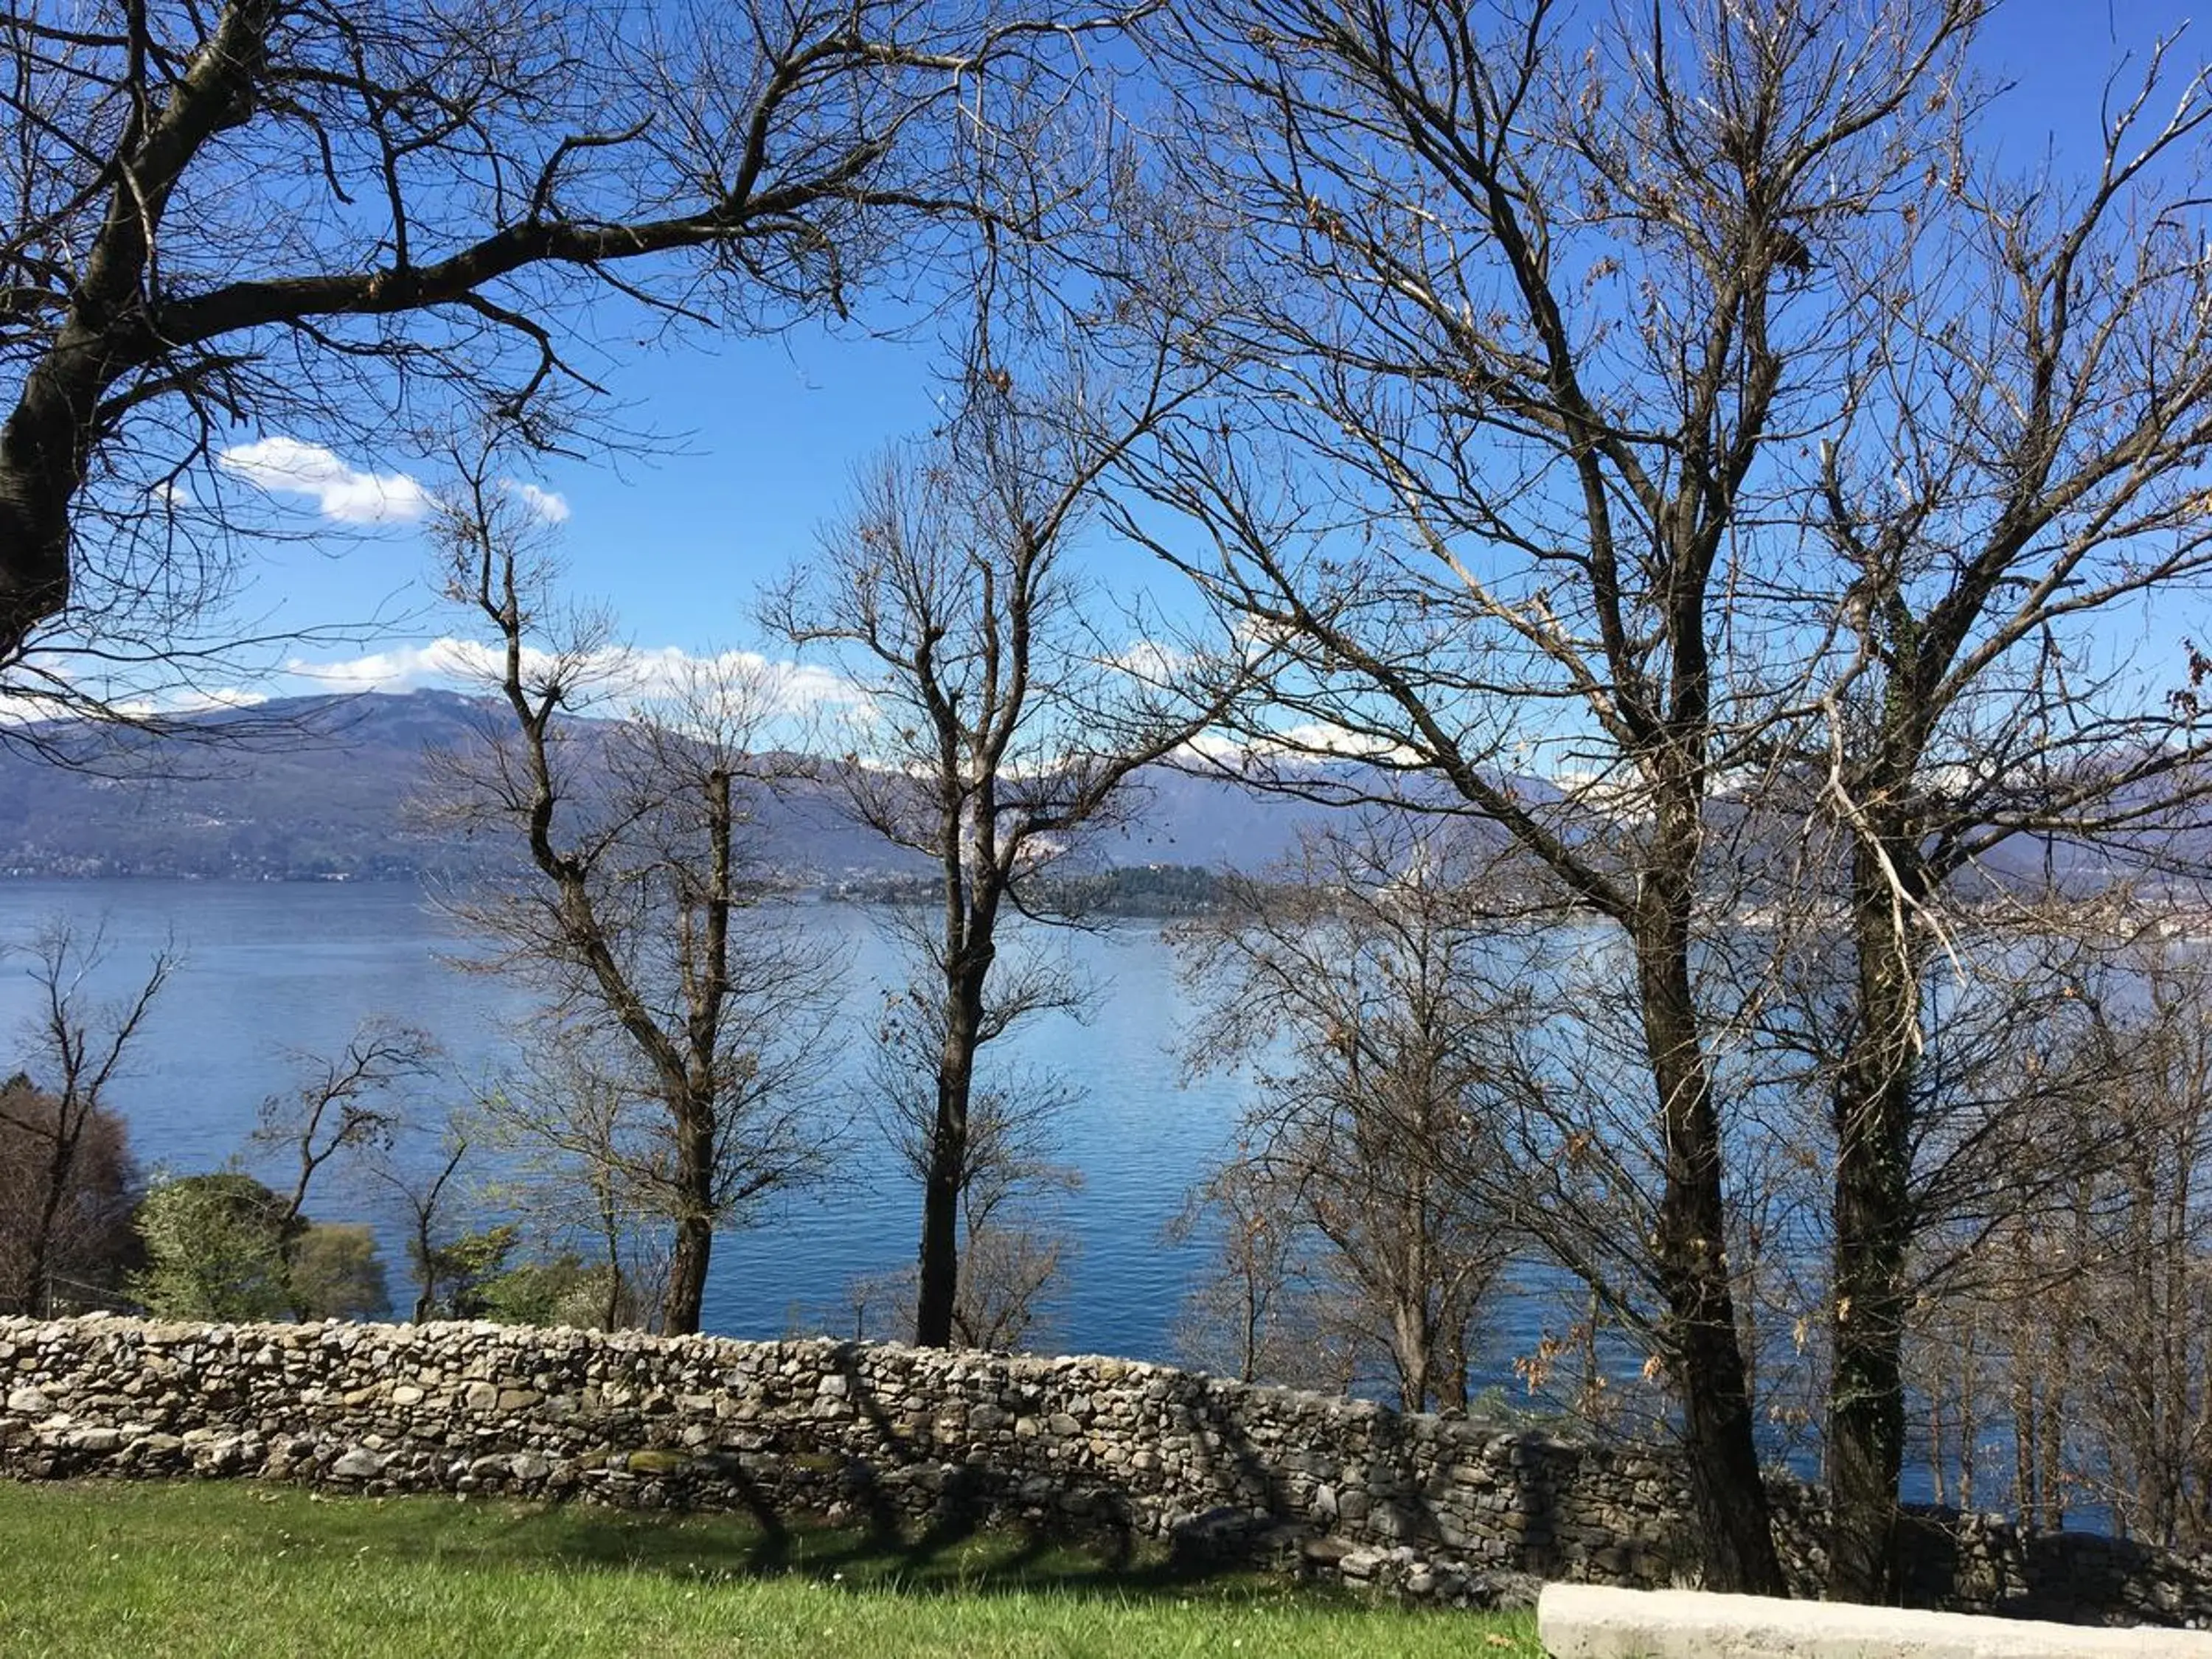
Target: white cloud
[1319, 737]
[1309, 740]
[195, 700]
[1613, 791]
[619, 676]
[28, 708]
[549, 505]
[404, 668]
[1151, 661]
[289, 467]
[792, 688]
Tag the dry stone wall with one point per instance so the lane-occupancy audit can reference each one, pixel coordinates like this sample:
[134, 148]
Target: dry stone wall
[889, 1436]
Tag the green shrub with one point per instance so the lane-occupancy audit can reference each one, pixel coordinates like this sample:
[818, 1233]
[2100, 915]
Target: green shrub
[214, 1249]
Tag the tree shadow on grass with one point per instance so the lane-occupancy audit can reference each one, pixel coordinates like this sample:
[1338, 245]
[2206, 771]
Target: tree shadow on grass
[952, 1552]
[909, 1516]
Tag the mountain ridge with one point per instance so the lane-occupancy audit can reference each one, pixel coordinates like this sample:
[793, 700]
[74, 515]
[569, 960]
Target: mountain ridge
[319, 787]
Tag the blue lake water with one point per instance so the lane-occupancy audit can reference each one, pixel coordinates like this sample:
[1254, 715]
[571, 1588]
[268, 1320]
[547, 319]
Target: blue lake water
[270, 969]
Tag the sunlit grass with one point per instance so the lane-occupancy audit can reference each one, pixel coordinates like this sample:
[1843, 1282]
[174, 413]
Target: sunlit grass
[225, 1567]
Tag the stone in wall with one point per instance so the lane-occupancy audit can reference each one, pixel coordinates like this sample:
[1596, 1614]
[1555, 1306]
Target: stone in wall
[1417, 1506]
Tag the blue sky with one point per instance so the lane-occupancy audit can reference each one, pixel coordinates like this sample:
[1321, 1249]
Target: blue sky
[757, 440]
[764, 434]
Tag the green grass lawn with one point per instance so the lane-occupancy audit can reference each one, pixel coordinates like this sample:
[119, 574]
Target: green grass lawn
[234, 1567]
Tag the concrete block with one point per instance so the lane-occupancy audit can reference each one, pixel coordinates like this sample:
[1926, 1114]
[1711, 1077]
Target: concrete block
[1592, 1621]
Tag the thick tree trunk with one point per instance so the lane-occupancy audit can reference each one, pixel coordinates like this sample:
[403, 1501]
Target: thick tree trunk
[47, 443]
[1726, 1492]
[43, 451]
[1866, 1393]
[1410, 1336]
[939, 1257]
[1873, 1232]
[686, 1294]
[681, 1305]
[34, 1293]
[682, 1302]
[30, 1297]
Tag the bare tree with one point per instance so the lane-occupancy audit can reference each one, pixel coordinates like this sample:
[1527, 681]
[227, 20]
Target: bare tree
[1685, 412]
[642, 918]
[995, 726]
[1532, 315]
[1012, 1251]
[2144, 1312]
[1374, 995]
[2018, 452]
[342, 1107]
[428, 1190]
[1254, 1312]
[2076, 1328]
[1014, 1254]
[583, 1162]
[321, 222]
[79, 1046]
[1010, 1266]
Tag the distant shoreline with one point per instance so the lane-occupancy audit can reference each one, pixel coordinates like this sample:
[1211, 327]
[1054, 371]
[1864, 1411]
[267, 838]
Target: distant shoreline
[1137, 893]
